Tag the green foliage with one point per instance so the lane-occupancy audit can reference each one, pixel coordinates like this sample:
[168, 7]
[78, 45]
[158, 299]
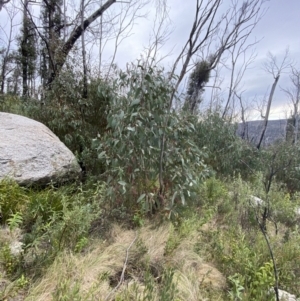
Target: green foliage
[181, 230]
[228, 155]
[22, 282]
[66, 291]
[81, 244]
[14, 221]
[138, 219]
[139, 122]
[150, 287]
[212, 190]
[281, 163]
[11, 104]
[236, 291]
[262, 280]
[168, 287]
[61, 218]
[248, 275]
[9, 262]
[13, 200]
[75, 120]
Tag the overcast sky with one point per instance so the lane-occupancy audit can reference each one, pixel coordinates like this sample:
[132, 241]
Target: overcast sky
[277, 30]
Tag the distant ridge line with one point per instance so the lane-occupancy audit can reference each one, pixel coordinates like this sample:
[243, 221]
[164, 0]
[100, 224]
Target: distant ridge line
[251, 131]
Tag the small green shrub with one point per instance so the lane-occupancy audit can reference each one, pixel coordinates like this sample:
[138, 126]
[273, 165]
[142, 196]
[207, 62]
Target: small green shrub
[9, 262]
[212, 192]
[65, 291]
[13, 199]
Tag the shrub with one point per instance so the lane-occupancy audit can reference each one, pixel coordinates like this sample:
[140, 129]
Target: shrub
[13, 199]
[74, 119]
[228, 154]
[140, 125]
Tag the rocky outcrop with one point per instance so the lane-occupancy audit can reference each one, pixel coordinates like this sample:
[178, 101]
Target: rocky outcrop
[31, 154]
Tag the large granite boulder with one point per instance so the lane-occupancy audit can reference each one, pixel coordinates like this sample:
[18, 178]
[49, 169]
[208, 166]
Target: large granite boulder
[31, 154]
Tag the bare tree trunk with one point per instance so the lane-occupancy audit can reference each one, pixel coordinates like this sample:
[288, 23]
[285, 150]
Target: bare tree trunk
[237, 74]
[244, 133]
[266, 117]
[85, 88]
[76, 34]
[57, 62]
[272, 67]
[100, 42]
[6, 55]
[294, 94]
[24, 50]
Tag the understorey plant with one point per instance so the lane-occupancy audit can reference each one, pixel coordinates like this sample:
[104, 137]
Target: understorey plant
[140, 125]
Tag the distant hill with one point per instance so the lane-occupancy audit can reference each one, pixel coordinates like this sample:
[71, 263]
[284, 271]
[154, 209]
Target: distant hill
[276, 130]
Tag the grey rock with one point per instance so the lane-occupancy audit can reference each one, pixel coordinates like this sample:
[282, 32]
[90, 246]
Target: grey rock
[285, 296]
[31, 154]
[255, 201]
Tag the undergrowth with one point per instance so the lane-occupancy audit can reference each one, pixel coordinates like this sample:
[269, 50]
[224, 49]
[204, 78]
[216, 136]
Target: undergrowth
[211, 250]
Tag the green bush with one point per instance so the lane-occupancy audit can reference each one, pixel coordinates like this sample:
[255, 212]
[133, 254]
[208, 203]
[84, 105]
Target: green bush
[13, 199]
[228, 154]
[74, 119]
[61, 218]
[12, 104]
[140, 124]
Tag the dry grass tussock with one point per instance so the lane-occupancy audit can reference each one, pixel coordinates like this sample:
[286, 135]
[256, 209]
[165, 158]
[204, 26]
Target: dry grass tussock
[8, 236]
[96, 273]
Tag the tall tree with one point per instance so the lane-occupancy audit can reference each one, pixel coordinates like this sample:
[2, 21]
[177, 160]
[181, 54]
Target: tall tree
[7, 55]
[237, 69]
[52, 20]
[60, 58]
[207, 27]
[275, 69]
[84, 64]
[293, 94]
[27, 50]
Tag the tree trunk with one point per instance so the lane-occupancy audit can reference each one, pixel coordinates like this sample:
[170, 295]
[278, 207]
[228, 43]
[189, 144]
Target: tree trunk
[75, 35]
[268, 111]
[84, 91]
[24, 51]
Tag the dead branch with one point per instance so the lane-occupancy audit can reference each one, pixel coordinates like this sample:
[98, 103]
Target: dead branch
[124, 269]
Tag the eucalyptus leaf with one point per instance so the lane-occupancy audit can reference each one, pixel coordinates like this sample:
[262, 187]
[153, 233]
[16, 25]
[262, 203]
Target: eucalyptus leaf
[135, 102]
[141, 198]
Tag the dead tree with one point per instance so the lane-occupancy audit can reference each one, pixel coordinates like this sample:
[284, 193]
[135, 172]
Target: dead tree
[272, 67]
[207, 27]
[2, 3]
[6, 53]
[58, 59]
[238, 51]
[293, 94]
